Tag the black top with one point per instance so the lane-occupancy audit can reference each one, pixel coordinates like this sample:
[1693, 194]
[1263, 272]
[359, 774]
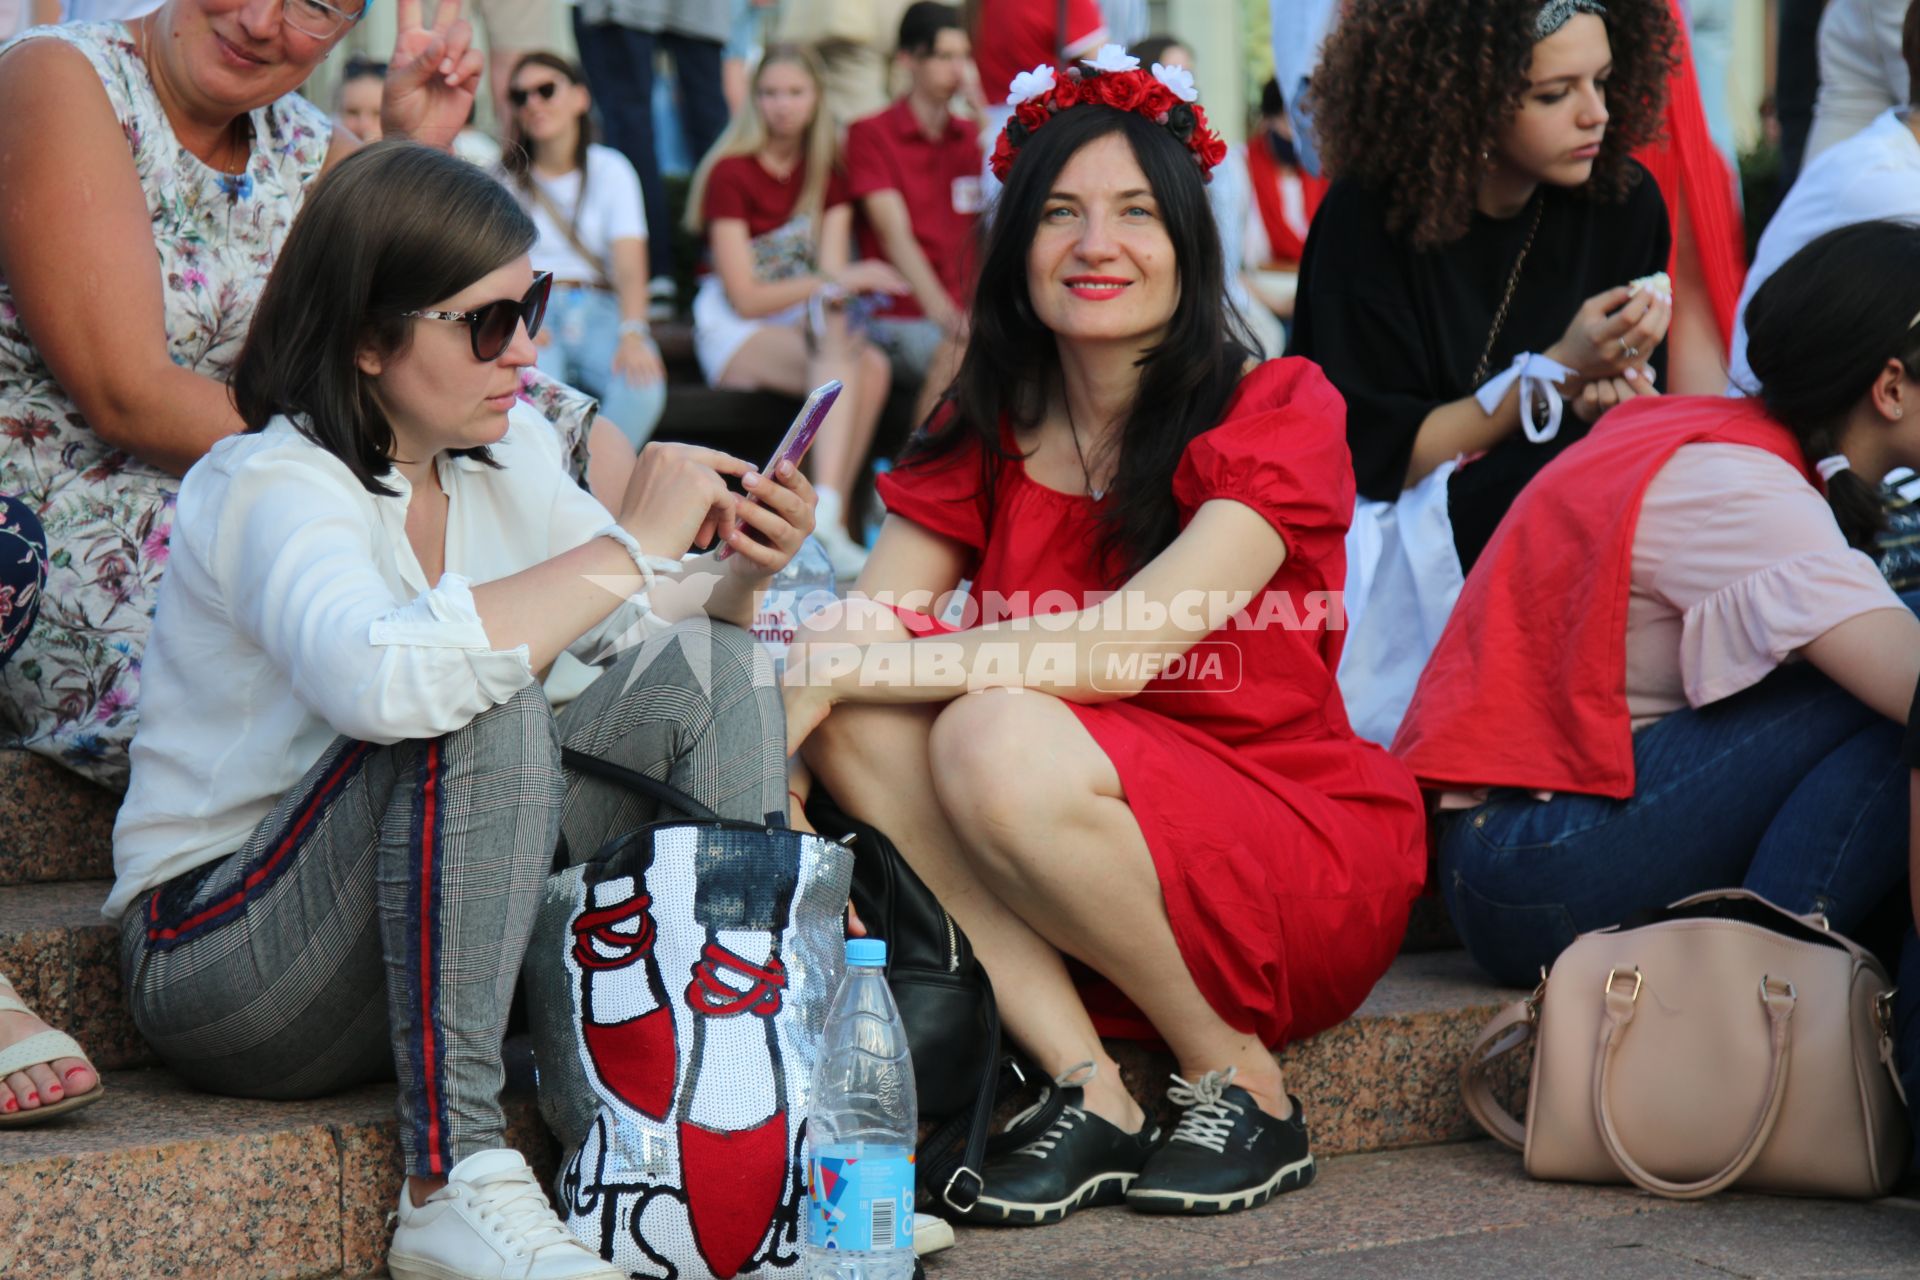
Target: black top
[1399, 331]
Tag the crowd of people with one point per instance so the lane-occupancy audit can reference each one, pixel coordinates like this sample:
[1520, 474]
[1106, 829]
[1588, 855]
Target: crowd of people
[1536, 541]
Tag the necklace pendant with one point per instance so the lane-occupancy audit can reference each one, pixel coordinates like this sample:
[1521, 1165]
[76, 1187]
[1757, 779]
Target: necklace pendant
[1096, 494]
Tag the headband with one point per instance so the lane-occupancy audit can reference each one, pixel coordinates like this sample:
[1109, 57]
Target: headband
[1111, 78]
[1554, 14]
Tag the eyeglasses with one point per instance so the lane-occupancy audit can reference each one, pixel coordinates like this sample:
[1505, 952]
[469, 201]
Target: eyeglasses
[491, 328]
[318, 19]
[544, 92]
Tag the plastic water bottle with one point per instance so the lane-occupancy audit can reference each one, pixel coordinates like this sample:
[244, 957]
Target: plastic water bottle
[861, 1132]
[793, 595]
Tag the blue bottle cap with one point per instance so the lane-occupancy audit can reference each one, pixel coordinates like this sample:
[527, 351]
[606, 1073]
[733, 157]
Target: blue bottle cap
[869, 953]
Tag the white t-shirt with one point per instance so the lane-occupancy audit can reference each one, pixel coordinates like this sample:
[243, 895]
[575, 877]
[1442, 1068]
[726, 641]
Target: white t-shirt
[294, 610]
[613, 211]
[1874, 174]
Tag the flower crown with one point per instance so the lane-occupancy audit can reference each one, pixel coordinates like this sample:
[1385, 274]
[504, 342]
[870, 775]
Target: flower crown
[1112, 78]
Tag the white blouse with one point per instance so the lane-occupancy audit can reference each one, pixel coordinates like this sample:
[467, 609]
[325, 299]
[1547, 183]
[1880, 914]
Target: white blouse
[294, 611]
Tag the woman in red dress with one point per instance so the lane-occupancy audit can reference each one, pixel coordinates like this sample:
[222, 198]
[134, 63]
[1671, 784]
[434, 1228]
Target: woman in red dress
[1128, 773]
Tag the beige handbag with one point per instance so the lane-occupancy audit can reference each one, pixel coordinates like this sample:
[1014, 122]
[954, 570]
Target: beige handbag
[1729, 1042]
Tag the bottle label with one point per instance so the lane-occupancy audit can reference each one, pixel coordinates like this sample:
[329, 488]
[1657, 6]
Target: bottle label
[860, 1201]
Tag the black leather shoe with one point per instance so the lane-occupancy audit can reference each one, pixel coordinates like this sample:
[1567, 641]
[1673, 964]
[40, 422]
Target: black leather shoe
[1079, 1162]
[1225, 1154]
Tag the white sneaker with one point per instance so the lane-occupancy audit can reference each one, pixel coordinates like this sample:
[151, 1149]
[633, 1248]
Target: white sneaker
[846, 556]
[931, 1235]
[492, 1221]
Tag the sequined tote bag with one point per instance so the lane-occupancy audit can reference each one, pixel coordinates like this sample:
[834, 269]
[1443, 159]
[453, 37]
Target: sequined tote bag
[677, 986]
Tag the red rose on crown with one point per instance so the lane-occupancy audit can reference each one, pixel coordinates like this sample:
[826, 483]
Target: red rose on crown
[1125, 92]
[1032, 115]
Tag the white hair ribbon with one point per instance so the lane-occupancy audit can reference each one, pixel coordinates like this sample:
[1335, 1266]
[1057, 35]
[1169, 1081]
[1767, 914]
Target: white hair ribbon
[1832, 465]
[1537, 375]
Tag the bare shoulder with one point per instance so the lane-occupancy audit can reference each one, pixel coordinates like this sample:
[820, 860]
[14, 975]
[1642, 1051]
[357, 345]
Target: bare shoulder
[50, 93]
[344, 144]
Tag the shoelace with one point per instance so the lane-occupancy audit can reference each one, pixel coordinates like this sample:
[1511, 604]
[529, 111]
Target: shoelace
[514, 1208]
[598, 925]
[1077, 1076]
[707, 994]
[1208, 1118]
[1042, 1147]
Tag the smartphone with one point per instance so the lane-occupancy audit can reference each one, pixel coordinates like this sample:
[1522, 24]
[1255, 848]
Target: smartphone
[806, 425]
[799, 438]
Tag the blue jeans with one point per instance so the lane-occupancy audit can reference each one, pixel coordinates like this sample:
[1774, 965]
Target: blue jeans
[585, 328]
[1793, 789]
[618, 62]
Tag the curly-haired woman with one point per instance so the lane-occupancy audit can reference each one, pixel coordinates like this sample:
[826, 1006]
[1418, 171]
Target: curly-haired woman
[1467, 283]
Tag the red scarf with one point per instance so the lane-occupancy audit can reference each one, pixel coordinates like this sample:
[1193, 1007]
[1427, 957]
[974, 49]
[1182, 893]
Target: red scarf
[1284, 244]
[1528, 685]
[1693, 175]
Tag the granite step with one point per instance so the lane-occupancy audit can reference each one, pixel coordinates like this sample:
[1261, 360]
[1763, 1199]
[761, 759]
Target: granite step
[64, 959]
[1382, 1079]
[274, 1190]
[158, 1180]
[58, 825]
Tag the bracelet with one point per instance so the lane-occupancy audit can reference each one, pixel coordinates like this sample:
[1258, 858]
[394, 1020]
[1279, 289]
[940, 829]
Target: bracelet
[648, 565]
[633, 328]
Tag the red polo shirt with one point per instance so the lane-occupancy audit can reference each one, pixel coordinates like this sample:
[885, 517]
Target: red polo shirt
[940, 180]
[740, 187]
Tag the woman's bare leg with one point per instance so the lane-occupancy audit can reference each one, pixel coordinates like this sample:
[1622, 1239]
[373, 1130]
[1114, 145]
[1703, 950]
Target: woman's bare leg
[842, 447]
[874, 761]
[1047, 820]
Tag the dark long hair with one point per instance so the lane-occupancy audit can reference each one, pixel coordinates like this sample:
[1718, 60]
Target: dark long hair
[516, 155]
[393, 228]
[1011, 363]
[1821, 329]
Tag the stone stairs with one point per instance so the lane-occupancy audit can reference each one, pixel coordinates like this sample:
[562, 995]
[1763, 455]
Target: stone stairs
[159, 1180]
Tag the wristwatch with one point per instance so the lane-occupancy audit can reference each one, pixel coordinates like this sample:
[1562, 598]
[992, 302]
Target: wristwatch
[639, 327]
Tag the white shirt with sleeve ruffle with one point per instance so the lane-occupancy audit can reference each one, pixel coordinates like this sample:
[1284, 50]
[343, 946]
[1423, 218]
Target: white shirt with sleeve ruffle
[294, 611]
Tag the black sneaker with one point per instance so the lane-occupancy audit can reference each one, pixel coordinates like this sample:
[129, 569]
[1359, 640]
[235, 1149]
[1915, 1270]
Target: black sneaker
[1225, 1154]
[1079, 1162]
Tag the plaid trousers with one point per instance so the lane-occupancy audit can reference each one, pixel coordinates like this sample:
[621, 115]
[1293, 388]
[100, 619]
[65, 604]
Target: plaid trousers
[374, 923]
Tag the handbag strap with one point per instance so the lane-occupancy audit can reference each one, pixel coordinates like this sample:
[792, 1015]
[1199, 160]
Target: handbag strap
[1620, 1005]
[633, 780]
[1511, 1031]
[959, 1183]
[570, 226]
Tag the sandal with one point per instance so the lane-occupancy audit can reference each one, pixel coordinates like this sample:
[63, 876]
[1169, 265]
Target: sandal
[41, 1049]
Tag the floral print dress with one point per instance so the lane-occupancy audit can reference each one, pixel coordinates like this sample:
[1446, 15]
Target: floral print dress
[71, 688]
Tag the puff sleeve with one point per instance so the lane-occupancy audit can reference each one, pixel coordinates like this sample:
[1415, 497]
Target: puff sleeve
[944, 495]
[1281, 450]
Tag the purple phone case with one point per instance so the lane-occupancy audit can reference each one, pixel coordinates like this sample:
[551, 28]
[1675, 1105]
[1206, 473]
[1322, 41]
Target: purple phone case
[809, 427]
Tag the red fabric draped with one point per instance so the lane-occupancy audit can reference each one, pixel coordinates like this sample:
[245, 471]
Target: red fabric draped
[1693, 174]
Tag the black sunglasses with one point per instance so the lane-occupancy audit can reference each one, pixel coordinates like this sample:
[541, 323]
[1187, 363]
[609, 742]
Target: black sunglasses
[491, 328]
[544, 92]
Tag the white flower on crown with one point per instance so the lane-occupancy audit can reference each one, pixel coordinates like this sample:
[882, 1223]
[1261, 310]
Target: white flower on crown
[1112, 58]
[1178, 79]
[1029, 85]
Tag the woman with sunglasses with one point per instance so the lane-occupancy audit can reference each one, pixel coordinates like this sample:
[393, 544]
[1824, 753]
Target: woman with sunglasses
[121, 313]
[348, 793]
[586, 201]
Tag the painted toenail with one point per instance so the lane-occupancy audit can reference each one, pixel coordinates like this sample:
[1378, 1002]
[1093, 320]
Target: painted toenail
[12, 1105]
[53, 1091]
[74, 1071]
[33, 1097]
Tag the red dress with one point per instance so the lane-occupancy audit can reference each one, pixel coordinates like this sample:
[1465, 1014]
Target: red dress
[1287, 849]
